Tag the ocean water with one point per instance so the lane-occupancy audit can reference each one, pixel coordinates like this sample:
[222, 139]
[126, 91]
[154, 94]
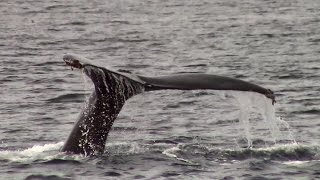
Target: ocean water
[163, 134]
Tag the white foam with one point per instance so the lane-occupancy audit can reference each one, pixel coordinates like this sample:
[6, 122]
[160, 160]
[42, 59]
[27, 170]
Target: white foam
[288, 148]
[125, 148]
[171, 152]
[34, 153]
[297, 163]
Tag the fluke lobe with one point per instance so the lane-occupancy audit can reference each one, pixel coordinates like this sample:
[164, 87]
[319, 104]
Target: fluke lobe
[113, 88]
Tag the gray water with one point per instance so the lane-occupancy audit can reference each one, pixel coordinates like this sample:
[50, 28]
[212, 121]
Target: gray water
[163, 134]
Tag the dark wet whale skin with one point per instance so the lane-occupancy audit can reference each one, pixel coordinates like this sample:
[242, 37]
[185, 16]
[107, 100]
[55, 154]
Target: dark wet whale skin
[192, 81]
[113, 88]
[89, 134]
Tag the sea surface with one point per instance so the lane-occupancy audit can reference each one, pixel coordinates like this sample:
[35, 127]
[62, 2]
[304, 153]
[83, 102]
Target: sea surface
[163, 134]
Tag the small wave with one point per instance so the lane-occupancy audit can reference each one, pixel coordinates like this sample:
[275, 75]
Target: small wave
[297, 162]
[278, 152]
[196, 65]
[162, 141]
[49, 43]
[45, 177]
[48, 63]
[62, 161]
[288, 152]
[285, 152]
[311, 111]
[58, 6]
[191, 154]
[123, 40]
[73, 97]
[186, 72]
[76, 23]
[112, 174]
[172, 152]
[117, 148]
[119, 22]
[292, 75]
[36, 152]
[137, 66]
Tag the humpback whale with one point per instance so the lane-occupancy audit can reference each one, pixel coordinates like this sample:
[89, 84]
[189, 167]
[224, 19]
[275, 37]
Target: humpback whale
[113, 88]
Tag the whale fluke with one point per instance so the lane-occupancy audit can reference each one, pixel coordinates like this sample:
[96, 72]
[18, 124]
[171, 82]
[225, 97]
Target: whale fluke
[192, 81]
[113, 88]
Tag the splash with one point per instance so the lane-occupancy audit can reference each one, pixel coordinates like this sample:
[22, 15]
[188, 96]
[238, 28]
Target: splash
[44, 152]
[280, 152]
[190, 153]
[251, 102]
[286, 125]
[173, 153]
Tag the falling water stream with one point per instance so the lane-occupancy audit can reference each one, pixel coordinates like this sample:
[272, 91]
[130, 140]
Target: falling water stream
[253, 102]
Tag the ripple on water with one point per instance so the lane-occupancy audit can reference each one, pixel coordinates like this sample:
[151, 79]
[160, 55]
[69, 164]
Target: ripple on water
[112, 174]
[46, 177]
[72, 97]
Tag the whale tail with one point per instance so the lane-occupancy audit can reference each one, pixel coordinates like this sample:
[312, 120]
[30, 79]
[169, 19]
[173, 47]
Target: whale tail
[113, 88]
[193, 81]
